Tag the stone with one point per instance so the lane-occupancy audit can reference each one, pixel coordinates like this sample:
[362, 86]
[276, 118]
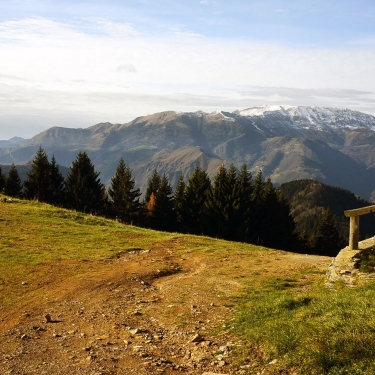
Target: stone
[212, 373]
[197, 338]
[48, 318]
[135, 331]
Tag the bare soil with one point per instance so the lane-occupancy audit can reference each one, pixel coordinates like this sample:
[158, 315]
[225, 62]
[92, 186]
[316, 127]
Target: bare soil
[148, 312]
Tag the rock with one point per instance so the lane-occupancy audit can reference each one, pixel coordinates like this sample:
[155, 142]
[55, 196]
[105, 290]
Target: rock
[48, 318]
[137, 348]
[135, 331]
[345, 272]
[197, 338]
[39, 329]
[212, 373]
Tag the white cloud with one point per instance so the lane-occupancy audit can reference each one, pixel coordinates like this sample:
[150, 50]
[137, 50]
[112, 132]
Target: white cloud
[49, 67]
[127, 68]
[117, 29]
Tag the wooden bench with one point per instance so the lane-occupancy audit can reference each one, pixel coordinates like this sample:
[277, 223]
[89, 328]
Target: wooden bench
[354, 224]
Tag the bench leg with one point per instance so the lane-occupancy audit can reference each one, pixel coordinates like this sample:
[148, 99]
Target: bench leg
[354, 233]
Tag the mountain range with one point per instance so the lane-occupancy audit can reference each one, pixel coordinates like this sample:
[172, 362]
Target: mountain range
[331, 145]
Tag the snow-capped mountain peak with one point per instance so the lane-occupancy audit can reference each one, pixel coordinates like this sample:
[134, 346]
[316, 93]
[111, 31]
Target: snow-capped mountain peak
[317, 118]
[260, 111]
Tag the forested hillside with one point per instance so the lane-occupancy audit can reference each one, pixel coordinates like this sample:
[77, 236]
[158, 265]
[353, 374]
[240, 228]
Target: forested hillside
[308, 199]
[303, 216]
[233, 206]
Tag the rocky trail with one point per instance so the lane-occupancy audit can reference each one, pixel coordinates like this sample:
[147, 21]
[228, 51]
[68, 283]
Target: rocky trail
[150, 311]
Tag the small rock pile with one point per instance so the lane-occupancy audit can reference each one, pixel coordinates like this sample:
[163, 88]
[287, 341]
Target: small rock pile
[343, 267]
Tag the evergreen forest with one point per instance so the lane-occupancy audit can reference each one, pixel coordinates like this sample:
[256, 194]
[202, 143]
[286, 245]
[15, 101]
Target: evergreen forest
[234, 206]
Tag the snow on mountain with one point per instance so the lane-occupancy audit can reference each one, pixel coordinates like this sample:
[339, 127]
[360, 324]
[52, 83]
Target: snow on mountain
[315, 118]
[260, 111]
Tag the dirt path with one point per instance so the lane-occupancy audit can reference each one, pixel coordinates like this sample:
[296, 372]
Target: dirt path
[148, 312]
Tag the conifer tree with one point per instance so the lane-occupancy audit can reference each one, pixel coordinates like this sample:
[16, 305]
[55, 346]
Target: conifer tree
[37, 186]
[13, 185]
[153, 186]
[85, 191]
[328, 240]
[124, 197]
[288, 237]
[269, 216]
[57, 185]
[255, 232]
[279, 231]
[180, 203]
[163, 214]
[220, 204]
[2, 181]
[243, 192]
[196, 193]
[159, 205]
[259, 187]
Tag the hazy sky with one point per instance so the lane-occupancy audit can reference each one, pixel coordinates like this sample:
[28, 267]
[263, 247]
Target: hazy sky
[76, 63]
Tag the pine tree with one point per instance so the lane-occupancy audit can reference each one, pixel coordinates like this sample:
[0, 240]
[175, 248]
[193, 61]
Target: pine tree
[255, 232]
[13, 185]
[163, 214]
[37, 186]
[153, 186]
[328, 240]
[85, 191]
[243, 192]
[196, 193]
[180, 204]
[270, 217]
[57, 185]
[220, 203]
[2, 181]
[259, 187]
[285, 236]
[124, 197]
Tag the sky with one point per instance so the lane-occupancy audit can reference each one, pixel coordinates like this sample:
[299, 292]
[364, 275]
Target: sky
[75, 63]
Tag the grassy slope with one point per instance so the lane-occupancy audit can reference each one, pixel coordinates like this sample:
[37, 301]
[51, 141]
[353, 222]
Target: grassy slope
[287, 318]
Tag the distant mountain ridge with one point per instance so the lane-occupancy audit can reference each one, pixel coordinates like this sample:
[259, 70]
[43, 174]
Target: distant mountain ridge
[332, 145]
[12, 142]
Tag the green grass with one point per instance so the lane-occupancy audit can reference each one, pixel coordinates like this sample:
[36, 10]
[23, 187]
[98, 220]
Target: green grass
[320, 332]
[288, 317]
[37, 239]
[366, 260]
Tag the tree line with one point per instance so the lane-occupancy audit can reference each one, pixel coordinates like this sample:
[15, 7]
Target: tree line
[232, 206]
